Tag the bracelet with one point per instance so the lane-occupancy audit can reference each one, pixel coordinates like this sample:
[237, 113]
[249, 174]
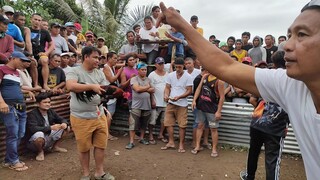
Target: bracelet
[43, 56]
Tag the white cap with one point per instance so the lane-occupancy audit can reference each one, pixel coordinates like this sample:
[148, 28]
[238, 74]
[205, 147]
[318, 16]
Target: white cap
[7, 9]
[65, 54]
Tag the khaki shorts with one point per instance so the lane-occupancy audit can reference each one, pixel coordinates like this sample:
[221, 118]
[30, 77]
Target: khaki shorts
[90, 132]
[175, 114]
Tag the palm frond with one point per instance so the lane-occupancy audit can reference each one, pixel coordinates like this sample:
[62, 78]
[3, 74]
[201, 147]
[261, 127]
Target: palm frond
[137, 15]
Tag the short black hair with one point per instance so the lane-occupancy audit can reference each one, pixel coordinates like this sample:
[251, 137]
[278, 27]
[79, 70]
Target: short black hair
[278, 59]
[42, 96]
[134, 27]
[129, 56]
[16, 15]
[147, 17]
[179, 61]
[285, 37]
[36, 14]
[110, 54]
[246, 34]
[212, 36]
[231, 37]
[88, 50]
[233, 56]
[134, 34]
[155, 8]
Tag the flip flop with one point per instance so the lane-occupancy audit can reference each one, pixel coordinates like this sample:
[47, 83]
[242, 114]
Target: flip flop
[214, 154]
[168, 148]
[181, 150]
[152, 142]
[194, 151]
[112, 138]
[18, 167]
[163, 139]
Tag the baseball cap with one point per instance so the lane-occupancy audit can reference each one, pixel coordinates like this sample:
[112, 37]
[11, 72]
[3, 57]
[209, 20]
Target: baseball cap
[101, 38]
[247, 59]
[216, 41]
[221, 44]
[20, 55]
[4, 20]
[69, 24]
[89, 33]
[55, 24]
[194, 17]
[7, 9]
[312, 4]
[78, 27]
[159, 60]
[65, 54]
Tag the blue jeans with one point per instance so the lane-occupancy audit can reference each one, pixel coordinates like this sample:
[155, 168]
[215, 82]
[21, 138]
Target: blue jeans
[15, 123]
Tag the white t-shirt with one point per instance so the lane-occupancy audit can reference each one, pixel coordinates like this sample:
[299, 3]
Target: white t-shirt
[111, 101]
[145, 34]
[73, 37]
[295, 98]
[159, 84]
[194, 73]
[66, 69]
[178, 87]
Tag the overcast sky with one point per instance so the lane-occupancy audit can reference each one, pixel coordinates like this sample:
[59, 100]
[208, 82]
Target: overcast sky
[232, 17]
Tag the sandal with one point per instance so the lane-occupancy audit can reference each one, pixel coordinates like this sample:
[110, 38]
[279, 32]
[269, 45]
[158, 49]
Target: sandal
[18, 167]
[85, 177]
[167, 147]
[214, 154]
[152, 142]
[194, 151]
[112, 138]
[163, 139]
[208, 146]
[181, 150]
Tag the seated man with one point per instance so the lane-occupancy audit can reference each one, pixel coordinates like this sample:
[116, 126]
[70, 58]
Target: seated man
[57, 78]
[45, 128]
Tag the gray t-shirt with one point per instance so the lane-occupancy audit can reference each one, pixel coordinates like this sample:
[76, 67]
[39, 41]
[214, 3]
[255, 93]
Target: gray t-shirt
[128, 48]
[89, 109]
[60, 44]
[140, 100]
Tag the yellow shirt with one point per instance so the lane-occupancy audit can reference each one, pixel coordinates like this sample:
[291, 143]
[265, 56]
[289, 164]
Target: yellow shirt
[200, 30]
[239, 56]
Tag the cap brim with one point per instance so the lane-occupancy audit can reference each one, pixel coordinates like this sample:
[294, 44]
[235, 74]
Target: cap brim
[25, 59]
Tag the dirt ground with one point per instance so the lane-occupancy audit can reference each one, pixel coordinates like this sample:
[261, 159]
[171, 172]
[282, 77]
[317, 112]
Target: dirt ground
[149, 162]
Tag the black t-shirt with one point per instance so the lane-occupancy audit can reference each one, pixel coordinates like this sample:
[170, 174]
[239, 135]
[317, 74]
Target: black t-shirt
[230, 49]
[273, 119]
[270, 51]
[196, 83]
[56, 76]
[208, 100]
[39, 38]
[247, 47]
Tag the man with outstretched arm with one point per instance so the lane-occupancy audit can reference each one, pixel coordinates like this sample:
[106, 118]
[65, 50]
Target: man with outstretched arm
[301, 79]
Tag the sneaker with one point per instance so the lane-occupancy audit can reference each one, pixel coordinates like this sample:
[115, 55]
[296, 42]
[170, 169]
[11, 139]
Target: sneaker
[106, 176]
[130, 146]
[143, 141]
[243, 175]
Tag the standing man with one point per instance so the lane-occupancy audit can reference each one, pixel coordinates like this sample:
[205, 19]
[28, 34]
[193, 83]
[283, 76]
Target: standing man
[39, 38]
[270, 47]
[300, 80]
[13, 109]
[6, 41]
[130, 49]
[245, 37]
[88, 120]
[158, 81]
[178, 88]
[209, 99]
[257, 53]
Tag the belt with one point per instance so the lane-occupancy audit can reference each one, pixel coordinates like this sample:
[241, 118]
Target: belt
[19, 106]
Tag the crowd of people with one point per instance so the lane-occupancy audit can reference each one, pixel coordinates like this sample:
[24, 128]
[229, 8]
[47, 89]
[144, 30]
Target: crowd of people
[52, 59]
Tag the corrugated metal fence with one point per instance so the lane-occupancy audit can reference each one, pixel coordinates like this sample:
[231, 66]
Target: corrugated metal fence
[234, 125]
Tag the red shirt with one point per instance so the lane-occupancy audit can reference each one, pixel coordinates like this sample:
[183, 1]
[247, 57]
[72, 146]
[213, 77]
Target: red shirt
[6, 48]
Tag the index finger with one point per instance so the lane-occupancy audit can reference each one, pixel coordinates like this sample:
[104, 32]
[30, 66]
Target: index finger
[161, 16]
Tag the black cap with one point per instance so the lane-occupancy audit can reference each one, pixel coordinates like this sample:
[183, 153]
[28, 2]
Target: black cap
[4, 20]
[194, 17]
[55, 24]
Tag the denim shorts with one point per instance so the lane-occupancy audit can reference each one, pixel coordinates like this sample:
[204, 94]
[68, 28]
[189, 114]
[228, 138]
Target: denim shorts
[204, 117]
